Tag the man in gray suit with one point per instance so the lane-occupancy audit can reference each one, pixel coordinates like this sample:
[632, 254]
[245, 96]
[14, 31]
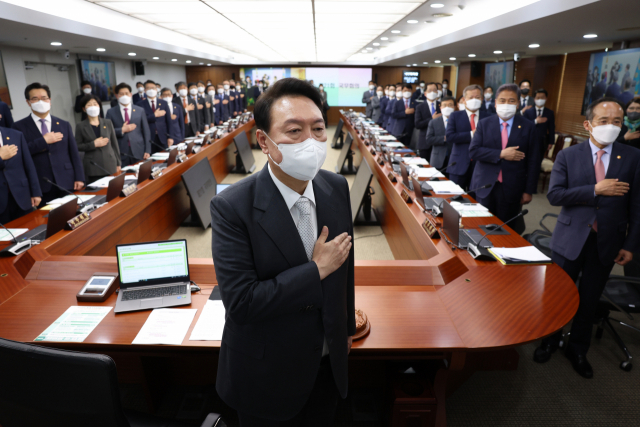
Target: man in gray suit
[436, 137]
[367, 98]
[132, 128]
[375, 104]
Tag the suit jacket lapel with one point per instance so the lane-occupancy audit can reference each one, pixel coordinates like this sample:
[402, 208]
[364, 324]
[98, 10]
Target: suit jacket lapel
[586, 162]
[497, 132]
[277, 221]
[103, 128]
[514, 135]
[615, 162]
[325, 211]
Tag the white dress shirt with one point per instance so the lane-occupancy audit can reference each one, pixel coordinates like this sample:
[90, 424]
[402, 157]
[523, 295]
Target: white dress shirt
[290, 198]
[475, 118]
[129, 110]
[39, 125]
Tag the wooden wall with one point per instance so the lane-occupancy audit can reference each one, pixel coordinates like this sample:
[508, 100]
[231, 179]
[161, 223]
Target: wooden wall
[393, 75]
[216, 74]
[465, 79]
[568, 117]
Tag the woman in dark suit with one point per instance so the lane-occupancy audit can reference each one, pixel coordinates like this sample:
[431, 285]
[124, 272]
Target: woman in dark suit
[96, 137]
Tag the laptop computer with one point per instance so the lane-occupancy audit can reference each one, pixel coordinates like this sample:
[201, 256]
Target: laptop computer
[113, 191]
[459, 237]
[427, 203]
[144, 173]
[153, 275]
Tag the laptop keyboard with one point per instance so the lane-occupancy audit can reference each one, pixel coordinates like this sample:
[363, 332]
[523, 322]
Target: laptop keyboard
[165, 291]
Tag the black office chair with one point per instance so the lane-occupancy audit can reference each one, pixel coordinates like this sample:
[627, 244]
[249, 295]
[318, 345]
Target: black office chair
[42, 386]
[541, 239]
[621, 294]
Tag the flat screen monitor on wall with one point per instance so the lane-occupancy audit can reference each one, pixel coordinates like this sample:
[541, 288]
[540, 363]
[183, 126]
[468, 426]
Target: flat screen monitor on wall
[101, 75]
[410, 77]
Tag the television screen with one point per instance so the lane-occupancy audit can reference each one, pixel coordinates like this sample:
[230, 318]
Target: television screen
[101, 75]
[410, 77]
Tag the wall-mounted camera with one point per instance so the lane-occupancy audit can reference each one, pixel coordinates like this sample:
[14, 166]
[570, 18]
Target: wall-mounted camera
[516, 57]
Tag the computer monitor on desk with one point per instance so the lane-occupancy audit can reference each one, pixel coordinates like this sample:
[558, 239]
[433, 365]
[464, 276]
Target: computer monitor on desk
[245, 163]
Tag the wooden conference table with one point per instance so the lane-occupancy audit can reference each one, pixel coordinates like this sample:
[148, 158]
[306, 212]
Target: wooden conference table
[430, 303]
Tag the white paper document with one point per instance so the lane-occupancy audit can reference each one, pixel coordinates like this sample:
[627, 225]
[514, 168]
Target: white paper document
[75, 324]
[428, 173]
[162, 155]
[65, 199]
[387, 138]
[102, 182]
[526, 253]
[468, 210]
[210, 323]
[395, 144]
[415, 161]
[445, 187]
[166, 326]
[6, 237]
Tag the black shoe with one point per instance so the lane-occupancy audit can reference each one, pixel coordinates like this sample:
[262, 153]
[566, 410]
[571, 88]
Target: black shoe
[580, 364]
[544, 352]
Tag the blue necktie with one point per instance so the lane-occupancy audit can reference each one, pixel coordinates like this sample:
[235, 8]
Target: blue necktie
[433, 110]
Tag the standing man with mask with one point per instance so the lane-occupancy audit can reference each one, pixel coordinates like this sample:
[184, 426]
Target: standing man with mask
[230, 98]
[506, 154]
[425, 112]
[488, 104]
[140, 95]
[86, 90]
[210, 104]
[597, 183]
[460, 129]
[389, 110]
[176, 117]
[284, 262]
[445, 88]
[404, 115]
[158, 117]
[222, 106]
[384, 100]
[436, 139]
[367, 98]
[190, 109]
[525, 101]
[419, 94]
[132, 128]
[545, 122]
[205, 116]
[51, 144]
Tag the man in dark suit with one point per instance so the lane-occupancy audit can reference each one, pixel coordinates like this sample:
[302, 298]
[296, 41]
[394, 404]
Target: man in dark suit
[597, 183]
[205, 111]
[505, 150]
[488, 104]
[222, 106]
[419, 94]
[6, 118]
[460, 129]
[545, 122]
[176, 117]
[445, 88]
[86, 90]
[189, 108]
[51, 144]
[393, 98]
[19, 188]
[366, 99]
[404, 114]
[158, 117]
[384, 101]
[284, 263]
[426, 111]
[525, 101]
[132, 128]
[436, 138]
[140, 95]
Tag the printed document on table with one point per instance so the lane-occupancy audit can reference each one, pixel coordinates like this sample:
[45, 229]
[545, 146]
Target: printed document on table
[166, 326]
[428, 173]
[65, 199]
[6, 237]
[102, 182]
[415, 161]
[525, 253]
[445, 187]
[210, 323]
[395, 144]
[75, 324]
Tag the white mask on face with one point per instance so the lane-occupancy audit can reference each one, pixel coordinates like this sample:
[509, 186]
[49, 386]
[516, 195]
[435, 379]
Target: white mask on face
[168, 99]
[183, 92]
[444, 86]
[398, 95]
[432, 96]
[488, 96]
[439, 93]
[461, 107]
[201, 89]
[371, 87]
[446, 111]
[220, 90]
[386, 92]
[226, 87]
[540, 102]
[422, 85]
[605, 134]
[87, 90]
[406, 95]
[379, 93]
[193, 91]
[41, 107]
[302, 160]
[124, 100]
[211, 93]
[93, 111]
[506, 111]
[473, 104]
[392, 93]
[151, 93]
[140, 89]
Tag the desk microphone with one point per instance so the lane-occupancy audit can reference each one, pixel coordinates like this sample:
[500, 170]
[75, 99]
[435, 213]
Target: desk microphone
[17, 248]
[480, 253]
[459, 196]
[433, 178]
[158, 145]
[131, 157]
[100, 167]
[66, 191]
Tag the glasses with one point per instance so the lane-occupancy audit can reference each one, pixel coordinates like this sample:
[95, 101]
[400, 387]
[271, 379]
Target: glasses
[36, 99]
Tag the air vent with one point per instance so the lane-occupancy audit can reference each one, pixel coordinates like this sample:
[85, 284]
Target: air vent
[441, 15]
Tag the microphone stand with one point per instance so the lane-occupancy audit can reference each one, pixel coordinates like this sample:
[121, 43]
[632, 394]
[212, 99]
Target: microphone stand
[84, 206]
[480, 253]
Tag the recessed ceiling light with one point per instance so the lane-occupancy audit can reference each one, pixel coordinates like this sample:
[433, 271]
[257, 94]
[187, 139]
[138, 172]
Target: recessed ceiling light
[188, 61]
[425, 62]
[101, 49]
[396, 31]
[534, 45]
[497, 52]
[437, 61]
[376, 44]
[208, 65]
[590, 36]
[441, 15]
[174, 60]
[156, 57]
[132, 54]
[437, 5]
[369, 48]
[472, 55]
[384, 38]
[56, 44]
[453, 58]
[415, 65]
[408, 65]
[412, 21]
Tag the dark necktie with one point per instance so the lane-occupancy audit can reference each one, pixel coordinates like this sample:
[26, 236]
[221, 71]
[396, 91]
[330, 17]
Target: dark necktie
[153, 106]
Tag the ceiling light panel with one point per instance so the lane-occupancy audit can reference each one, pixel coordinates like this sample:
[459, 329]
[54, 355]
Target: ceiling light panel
[334, 18]
[134, 7]
[382, 7]
[260, 6]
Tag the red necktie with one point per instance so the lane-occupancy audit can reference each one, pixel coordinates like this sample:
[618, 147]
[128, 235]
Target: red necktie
[505, 140]
[406, 103]
[153, 106]
[473, 122]
[126, 115]
[186, 117]
[599, 167]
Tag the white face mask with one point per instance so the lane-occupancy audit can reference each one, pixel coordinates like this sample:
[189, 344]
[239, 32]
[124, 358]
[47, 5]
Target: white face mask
[183, 92]
[461, 107]
[473, 104]
[605, 134]
[140, 89]
[386, 92]
[488, 96]
[201, 89]
[540, 102]
[124, 100]
[506, 111]
[392, 93]
[168, 99]
[87, 90]
[151, 93]
[432, 96]
[406, 95]
[398, 95]
[302, 160]
[379, 93]
[444, 85]
[211, 93]
[41, 107]
[220, 90]
[422, 85]
[193, 91]
[371, 87]
[439, 93]
[226, 87]
[93, 111]
[446, 111]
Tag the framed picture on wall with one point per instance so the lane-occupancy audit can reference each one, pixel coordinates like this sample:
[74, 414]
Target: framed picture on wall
[4, 86]
[497, 74]
[410, 77]
[101, 75]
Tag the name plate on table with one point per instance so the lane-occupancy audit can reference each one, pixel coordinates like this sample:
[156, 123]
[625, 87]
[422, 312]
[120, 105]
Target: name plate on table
[430, 228]
[181, 158]
[405, 196]
[381, 162]
[392, 177]
[156, 173]
[77, 221]
[129, 189]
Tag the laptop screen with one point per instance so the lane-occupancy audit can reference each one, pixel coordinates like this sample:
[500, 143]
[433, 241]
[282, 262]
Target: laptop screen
[451, 222]
[153, 263]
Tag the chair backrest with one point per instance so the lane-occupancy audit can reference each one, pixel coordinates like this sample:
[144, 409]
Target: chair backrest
[551, 152]
[42, 386]
[568, 141]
